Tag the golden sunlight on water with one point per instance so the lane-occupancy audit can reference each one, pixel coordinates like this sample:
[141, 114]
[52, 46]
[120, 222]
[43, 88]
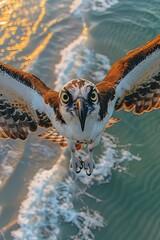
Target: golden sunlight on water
[63, 40]
[28, 59]
[18, 26]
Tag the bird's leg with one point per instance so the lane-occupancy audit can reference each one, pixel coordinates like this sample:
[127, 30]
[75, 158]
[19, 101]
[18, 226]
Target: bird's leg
[75, 162]
[89, 163]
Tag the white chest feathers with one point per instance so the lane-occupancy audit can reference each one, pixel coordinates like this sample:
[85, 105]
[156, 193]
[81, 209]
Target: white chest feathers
[93, 128]
[72, 129]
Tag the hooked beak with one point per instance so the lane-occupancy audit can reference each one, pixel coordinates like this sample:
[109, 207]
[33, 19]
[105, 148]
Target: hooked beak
[81, 111]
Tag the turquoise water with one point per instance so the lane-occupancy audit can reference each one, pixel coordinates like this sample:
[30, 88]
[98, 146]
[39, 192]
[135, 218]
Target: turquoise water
[59, 40]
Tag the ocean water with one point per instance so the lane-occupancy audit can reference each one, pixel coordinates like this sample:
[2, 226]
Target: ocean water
[40, 199]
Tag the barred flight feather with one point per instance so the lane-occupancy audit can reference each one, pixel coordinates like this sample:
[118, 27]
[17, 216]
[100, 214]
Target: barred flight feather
[22, 103]
[135, 79]
[145, 98]
[54, 136]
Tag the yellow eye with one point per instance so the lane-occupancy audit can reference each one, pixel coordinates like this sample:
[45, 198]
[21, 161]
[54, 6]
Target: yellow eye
[94, 96]
[65, 97]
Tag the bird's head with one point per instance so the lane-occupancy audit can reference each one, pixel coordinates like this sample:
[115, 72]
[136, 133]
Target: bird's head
[79, 99]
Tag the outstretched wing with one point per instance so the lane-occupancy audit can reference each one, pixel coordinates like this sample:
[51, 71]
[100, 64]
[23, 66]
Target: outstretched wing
[24, 103]
[134, 80]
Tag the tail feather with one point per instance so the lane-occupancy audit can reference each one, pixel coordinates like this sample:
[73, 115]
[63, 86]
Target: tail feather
[54, 136]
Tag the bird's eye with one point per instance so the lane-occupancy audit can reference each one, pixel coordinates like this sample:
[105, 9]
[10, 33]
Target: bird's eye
[65, 97]
[94, 96]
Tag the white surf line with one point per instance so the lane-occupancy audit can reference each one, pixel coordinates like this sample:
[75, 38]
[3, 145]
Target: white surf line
[33, 206]
[97, 6]
[101, 6]
[78, 61]
[49, 201]
[51, 194]
[111, 158]
[77, 7]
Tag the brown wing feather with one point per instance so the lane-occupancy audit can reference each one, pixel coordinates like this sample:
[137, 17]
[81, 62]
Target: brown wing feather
[25, 78]
[111, 122]
[21, 113]
[106, 93]
[144, 98]
[16, 120]
[140, 91]
[125, 65]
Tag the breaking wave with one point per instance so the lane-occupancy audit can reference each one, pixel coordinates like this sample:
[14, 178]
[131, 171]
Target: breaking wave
[78, 60]
[101, 6]
[95, 6]
[53, 197]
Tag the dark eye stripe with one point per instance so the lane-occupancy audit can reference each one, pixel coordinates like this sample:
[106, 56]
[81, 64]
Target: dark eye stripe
[91, 90]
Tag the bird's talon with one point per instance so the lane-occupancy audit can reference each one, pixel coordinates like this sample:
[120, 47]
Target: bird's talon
[88, 172]
[76, 164]
[78, 171]
[81, 165]
[86, 166]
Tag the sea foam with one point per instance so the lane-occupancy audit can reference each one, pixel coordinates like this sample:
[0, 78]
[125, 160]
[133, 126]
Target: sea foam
[78, 7]
[79, 61]
[53, 197]
[101, 6]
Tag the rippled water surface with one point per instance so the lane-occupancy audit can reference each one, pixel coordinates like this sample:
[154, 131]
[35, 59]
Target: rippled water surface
[39, 197]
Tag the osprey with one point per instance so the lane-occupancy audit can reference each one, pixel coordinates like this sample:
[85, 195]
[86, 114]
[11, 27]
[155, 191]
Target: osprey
[80, 112]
